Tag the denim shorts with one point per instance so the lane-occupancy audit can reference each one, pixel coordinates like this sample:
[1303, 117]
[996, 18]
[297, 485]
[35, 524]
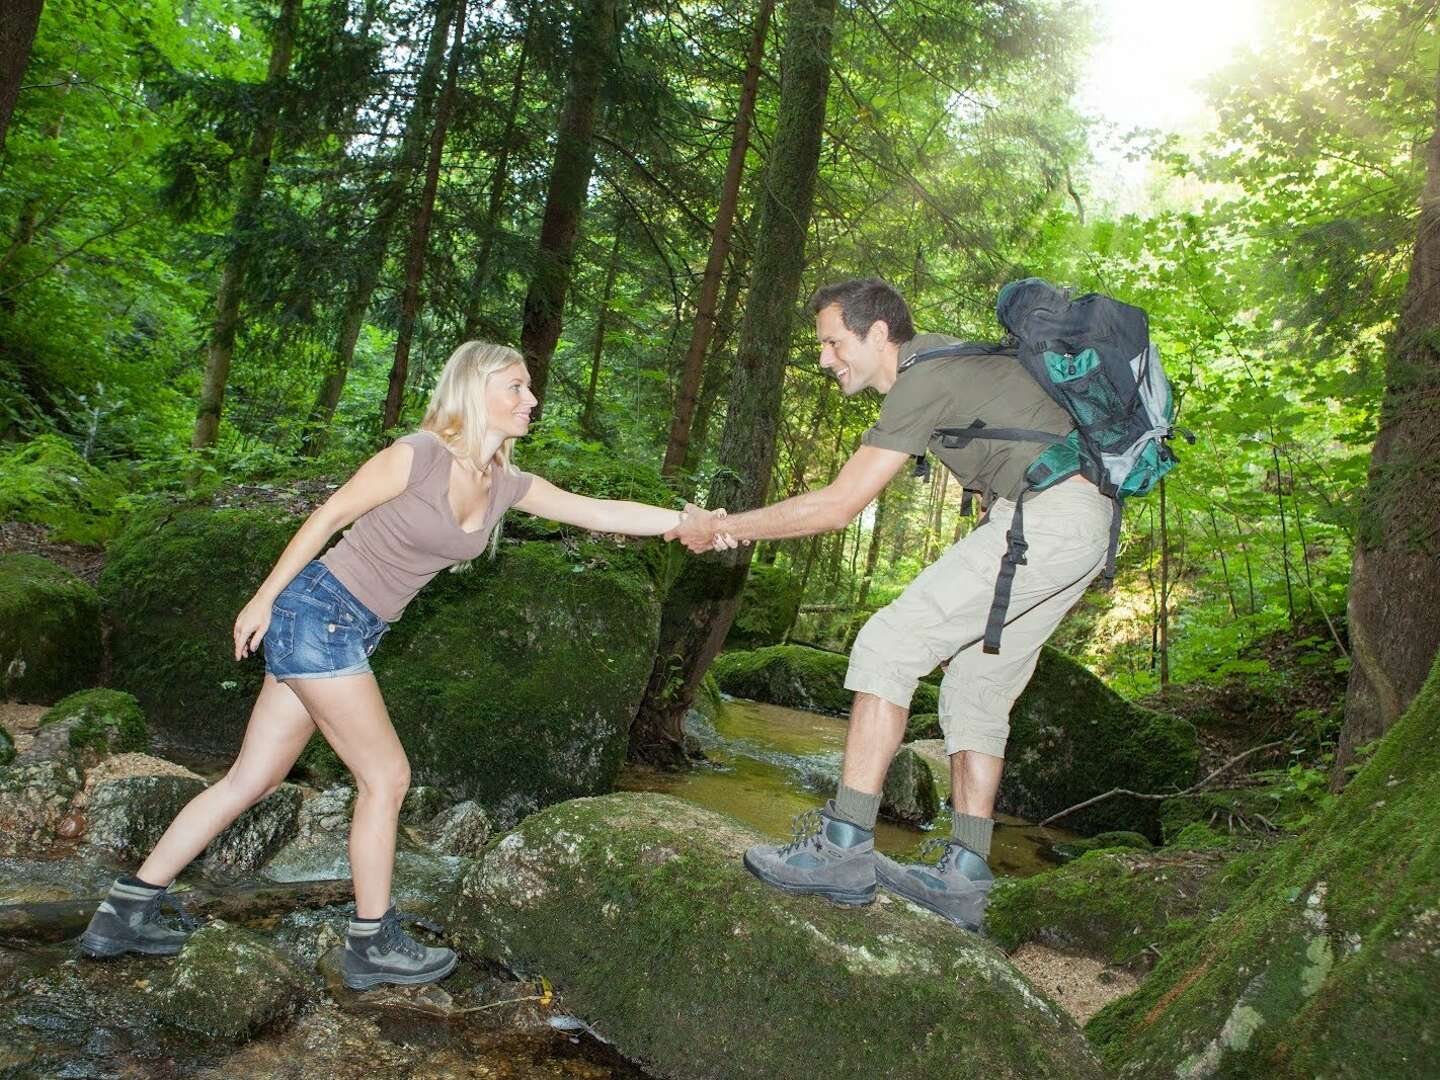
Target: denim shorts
[318, 630]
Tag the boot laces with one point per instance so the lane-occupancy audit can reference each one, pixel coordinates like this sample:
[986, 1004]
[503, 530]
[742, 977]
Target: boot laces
[151, 912]
[393, 938]
[804, 829]
[940, 844]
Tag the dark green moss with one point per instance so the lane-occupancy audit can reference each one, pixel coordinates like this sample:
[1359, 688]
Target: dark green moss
[515, 683]
[923, 726]
[7, 747]
[636, 907]
[768, 608]
[1329, 963]
[44, 481]
[799, 677]
[173, 584]
[1121, 907]
[1262, 809]
[1073, 849]
[110, 721]
[49, 631]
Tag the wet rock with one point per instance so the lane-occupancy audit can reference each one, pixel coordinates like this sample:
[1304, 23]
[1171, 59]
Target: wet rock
[462, 830]
[129, 815]
[52, 743]
[103, 721]
[34, 797]
[909, 796]
[228, 984]
[49, 631]
[257, 835]
[638, 910]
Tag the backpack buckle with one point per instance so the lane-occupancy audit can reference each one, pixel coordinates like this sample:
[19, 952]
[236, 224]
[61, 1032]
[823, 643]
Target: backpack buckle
[1016, 546]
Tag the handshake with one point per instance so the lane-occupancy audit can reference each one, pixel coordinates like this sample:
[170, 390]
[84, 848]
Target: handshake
[700, 530]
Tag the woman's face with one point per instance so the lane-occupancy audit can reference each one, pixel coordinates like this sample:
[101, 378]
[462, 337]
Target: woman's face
[508, 400]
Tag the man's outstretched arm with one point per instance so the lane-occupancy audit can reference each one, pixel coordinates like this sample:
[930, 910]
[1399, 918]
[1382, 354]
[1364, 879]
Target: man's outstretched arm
[832, 507]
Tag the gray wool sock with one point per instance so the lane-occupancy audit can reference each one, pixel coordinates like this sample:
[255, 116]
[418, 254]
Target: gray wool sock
[857, 807]
[973, 832]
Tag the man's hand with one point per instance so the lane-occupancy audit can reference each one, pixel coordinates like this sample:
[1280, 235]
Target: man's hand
[696, 529]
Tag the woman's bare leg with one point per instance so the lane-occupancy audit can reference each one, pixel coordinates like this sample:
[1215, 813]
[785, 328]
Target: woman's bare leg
[278, 730]
[351, 715]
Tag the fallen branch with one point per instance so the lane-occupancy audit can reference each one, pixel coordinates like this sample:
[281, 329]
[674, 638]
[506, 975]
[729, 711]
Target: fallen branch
[57, 920]
[1193, 789]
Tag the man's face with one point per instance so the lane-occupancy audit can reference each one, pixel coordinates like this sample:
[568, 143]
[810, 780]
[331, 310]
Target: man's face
[854, 360]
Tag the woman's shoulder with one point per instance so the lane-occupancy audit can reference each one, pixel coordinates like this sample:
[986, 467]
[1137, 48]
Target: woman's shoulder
[428, 450]
[513, 482]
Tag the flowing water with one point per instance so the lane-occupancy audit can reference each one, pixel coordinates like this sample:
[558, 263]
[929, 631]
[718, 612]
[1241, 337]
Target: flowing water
[768, 763]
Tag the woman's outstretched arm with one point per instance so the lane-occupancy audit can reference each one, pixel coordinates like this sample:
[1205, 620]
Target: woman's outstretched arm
[546, 500]
[379, 480]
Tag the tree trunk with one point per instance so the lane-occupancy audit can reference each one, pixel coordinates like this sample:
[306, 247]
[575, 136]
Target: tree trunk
[592, 44]
[702, 604]
[1395, 576]
[18, 20]
[481, 270]
[420, 233]
[221, 349]
[872, 556]
[717, 374]
[704, 324]
[602, 318]
[370, 254]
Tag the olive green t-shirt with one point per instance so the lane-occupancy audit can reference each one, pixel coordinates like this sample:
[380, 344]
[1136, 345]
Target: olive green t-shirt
[956, 391]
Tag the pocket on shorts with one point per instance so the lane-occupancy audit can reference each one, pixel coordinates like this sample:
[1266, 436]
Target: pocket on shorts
[280, 637]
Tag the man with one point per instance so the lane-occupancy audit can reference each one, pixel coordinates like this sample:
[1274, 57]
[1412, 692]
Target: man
[867, 339]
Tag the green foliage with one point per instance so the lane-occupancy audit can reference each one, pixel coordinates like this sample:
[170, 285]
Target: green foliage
[45, 481]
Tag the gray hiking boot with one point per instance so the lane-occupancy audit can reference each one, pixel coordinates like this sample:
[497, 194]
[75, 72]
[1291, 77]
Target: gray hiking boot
[828, 856]
[382, 952]
[956, 887]
[128, 920]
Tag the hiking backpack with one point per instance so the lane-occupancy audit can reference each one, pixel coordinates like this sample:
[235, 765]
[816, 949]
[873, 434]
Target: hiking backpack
[1094, 357]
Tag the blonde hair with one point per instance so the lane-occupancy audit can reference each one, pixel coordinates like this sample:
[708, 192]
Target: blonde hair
[456, 413]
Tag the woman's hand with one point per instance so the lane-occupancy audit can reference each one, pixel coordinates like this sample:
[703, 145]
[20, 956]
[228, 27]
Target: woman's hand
[250, 626]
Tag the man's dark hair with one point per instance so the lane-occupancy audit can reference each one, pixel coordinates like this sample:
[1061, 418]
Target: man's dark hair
[864, 300]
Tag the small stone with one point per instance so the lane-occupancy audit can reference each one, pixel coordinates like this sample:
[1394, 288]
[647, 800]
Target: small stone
[71, 826]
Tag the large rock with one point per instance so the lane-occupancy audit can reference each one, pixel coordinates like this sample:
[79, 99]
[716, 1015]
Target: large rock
[1072, 737]
[768, 607]
[799, 677]
[105, 721]
[129, 815]
[34, 797]
[636, 907]
[513, 683]
[230, 985]
[910, 794]
[49, 631]
[173, 583]
[1328, 964]
[256, 835]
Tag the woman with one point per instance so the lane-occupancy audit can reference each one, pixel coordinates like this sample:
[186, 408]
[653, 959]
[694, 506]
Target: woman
[430, 500]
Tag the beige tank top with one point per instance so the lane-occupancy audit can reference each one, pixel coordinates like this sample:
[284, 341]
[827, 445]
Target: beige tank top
[390, 552]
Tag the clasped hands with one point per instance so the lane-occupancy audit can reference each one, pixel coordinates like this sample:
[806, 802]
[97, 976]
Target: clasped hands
[700, 530]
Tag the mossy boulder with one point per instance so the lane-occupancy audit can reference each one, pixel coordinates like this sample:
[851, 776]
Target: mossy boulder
[799, 677]
[637, 909]
[1073, 849]
[1328, 964]
[7, 748]
[49, 631]
[46, 482]
[228, 984]
[105, 721]
[173, 583]
[1072, 737]
[1117, 906]
[768, 607]
[515, 683]
[925, 725]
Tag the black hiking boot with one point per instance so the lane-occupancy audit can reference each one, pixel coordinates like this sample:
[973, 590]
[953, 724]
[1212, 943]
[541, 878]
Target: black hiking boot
[128, 920]
[382, 952]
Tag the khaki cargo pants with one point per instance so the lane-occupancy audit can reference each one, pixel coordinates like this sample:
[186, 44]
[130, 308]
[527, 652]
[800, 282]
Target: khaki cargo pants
[942, 613]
